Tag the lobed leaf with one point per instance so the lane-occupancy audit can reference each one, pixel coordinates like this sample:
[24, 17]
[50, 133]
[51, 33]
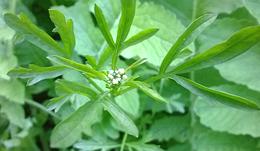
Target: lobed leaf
[188, 36]
[237, 44]
[215, 95]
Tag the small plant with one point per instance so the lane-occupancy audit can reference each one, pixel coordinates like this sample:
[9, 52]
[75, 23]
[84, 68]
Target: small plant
[105, 79]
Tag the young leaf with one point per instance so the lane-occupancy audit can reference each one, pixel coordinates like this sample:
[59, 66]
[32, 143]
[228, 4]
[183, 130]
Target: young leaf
[119, 115]
[135, 64]
[74, 88]
[104, 26]
[77, 66]
[95, 145]
[215, 95]
[127, 17]
[69, 131]
[139, 37]
[37, 73]
[189, 35]
[65, 29]
[35, 35]
[237, 44]
[148, 91]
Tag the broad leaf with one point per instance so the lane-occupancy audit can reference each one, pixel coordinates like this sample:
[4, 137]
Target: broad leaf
[237, 44]
[104, 27]
[189, 35]
[148, 91]
[122, 119]
[252, 6]
[215, 95]
[37, 73]
[77, 66]
[69, 131]
[65, 29]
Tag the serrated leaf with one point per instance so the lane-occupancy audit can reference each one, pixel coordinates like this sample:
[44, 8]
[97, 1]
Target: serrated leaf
[237, 44]
[68, 87]
[219, 96]
[77, 66]
[65, 29]
[148, 91]
[69, 131]
[139, 37]
[119, 115]
[104, 27]
[37, 73]
[35, 35]
[188, 36]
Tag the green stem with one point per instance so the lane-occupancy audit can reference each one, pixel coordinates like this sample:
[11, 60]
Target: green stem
[92, 82]
[41, 107]
[123, 142]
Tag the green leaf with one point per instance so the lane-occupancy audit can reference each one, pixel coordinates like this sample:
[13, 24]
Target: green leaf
[126, 19]
[148, 91]
[119, 115]
[237, 44]
[35, 35]
[188, 36]
[12, 90]
[170, 127]
[37, 73]
[252, 6]
[139, 37]
[68, 87]
[65, 29]
[94, 145]
[69, 131]
[140, 146]
[135, 64]
[104, 27]
[220, 117]
[77, 66]
[214, 95]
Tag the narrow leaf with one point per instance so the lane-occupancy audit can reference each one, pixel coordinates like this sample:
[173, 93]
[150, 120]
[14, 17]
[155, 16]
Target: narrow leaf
[69, 131]
[35, 35]
[136, 64]
[119, 115]
[215, 95]
[189, 35]
[65, 29]
[104, 26]
[148, 91]
[139, 37]
[37, 73]
[77, 66]
[237, 44]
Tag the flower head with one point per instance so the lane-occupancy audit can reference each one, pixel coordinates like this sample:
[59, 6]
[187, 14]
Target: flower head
[116, 77]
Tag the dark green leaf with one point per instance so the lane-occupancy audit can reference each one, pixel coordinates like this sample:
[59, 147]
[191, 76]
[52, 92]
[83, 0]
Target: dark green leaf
[237, 44]
[104, 26]
[215, 95]
[69, 131]
[189, 35]
[119, 115]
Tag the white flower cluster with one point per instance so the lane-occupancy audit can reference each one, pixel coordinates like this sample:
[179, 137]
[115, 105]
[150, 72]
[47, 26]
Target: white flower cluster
[116, 76]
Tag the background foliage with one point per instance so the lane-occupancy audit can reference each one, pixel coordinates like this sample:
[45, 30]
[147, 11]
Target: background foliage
[194, 118]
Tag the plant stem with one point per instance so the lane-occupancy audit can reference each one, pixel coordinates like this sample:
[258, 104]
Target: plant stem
[123, 142]
[92, 82]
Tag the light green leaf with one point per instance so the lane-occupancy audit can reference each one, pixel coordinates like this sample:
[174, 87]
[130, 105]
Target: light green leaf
[104, 27]
[126, 20]
[69, 131]
[148, 91]
[68, 87]
[77, 66]
[129, 102]
[140, 37]
[37, 73]
[188, 36]
[220, 117]
[65, 29]
[122, 119]
[35, 35]
[94, 145]
[13, 90]
[140, 146]
[253, 7]
[135, 64]
[219, 96]
[237, 44]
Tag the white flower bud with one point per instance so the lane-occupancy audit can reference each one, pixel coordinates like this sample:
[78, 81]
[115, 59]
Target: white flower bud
[119, 79]
[110, 76]
[115, 81]
[111, 72]
[121, 71]
[124, 77]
